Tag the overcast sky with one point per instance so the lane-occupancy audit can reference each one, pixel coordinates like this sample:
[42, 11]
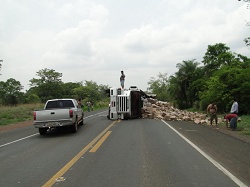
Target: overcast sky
[96, 39]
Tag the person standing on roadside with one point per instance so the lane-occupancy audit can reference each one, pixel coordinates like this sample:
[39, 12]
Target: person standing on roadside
[89, 106]
[212, 111]
[235, 107]
[122, 79]
[80, 103]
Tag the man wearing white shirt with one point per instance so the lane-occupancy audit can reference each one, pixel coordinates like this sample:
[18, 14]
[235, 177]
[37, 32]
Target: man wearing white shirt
[235, 107]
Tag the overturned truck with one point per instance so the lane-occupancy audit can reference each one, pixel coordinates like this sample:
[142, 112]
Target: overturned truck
[126, 104]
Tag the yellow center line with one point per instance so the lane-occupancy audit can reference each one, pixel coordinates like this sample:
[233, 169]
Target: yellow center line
[76, 158]
[99, 143]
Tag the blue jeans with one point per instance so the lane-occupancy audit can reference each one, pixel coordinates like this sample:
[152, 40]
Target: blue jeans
[233, 123]
[122, 83]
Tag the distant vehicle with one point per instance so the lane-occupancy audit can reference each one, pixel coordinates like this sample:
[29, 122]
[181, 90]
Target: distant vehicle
[125, 104]
[58, 113]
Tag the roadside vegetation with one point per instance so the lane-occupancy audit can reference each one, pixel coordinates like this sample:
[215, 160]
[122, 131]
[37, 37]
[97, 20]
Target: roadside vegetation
[24, 112]
[244, 125]
[19, 113]
[220, 77]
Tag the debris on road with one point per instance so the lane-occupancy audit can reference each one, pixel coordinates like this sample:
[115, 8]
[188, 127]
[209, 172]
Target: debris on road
[154, 109]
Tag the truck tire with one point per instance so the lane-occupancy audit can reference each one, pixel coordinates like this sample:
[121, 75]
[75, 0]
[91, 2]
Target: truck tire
[74, 127]
[43, 131]
[81, 123]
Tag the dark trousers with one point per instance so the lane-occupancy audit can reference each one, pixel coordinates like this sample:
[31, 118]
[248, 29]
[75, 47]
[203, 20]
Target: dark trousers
[233, 123]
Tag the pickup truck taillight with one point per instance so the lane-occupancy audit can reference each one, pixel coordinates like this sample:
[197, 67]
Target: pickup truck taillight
[71, 113]
[34, 114]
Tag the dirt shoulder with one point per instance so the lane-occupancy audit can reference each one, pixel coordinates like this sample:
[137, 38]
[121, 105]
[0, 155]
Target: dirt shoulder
[15, 126]
[235, 134]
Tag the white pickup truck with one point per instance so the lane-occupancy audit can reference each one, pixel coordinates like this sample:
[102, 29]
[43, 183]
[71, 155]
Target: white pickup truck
[58, 113]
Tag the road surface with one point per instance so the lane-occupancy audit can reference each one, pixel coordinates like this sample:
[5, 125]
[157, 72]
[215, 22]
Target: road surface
[138, 152]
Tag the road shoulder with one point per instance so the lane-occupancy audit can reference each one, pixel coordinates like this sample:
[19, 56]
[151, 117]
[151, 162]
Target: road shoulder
[10, 127]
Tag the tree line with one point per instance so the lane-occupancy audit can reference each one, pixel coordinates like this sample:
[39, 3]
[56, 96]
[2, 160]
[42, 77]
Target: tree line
[221, 76]
[49, 85]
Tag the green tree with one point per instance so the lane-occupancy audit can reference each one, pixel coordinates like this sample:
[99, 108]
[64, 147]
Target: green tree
[237, 81]
[103, 91]
[175, 91]
[68, 88]
[46, 76]
[225, 84]
[89, 91]
[48, 85]
[10, 92]
[95, 92]
[215, 56]
[215, 91]
[159, 86]
[197, 83]
[180, 83]
[33, 98]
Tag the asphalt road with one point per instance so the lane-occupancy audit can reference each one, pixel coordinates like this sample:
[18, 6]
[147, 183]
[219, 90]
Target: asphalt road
[129, 153]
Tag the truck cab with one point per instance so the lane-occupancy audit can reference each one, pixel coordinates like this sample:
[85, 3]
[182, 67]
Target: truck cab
[125, 103]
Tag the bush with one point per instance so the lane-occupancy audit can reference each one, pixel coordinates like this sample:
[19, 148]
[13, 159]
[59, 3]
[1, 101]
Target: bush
[33, 98]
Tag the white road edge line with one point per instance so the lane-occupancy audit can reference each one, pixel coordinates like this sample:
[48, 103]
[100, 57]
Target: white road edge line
[19, 140]
[38, 133]
[224, 170]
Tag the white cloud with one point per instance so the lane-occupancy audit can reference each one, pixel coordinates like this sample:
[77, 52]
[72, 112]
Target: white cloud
[89, 40]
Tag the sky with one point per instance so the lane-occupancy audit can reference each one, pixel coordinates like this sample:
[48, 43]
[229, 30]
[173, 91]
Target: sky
[93, 40]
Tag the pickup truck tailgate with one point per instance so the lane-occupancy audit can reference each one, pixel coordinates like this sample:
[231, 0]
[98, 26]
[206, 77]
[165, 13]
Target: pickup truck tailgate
[52, 115]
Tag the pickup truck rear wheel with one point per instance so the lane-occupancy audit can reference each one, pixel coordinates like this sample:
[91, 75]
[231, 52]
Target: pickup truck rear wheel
[81, 123]
[43, 131]
[74, 127]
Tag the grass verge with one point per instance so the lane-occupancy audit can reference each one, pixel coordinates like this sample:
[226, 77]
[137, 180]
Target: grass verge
[19, 113]
[244, 125]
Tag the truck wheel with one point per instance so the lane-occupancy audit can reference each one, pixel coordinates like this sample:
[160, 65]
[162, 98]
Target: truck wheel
[81, 123]
[74, 127]
[43, 131]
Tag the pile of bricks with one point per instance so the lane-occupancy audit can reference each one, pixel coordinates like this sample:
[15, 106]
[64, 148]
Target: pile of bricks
[154, 109]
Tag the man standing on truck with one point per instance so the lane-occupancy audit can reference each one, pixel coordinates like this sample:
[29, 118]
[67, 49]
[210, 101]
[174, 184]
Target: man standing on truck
[122, 79]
